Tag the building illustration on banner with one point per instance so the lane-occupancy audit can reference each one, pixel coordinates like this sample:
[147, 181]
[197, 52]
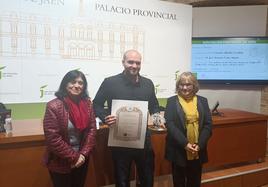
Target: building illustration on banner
[28, 35]
[42, 40]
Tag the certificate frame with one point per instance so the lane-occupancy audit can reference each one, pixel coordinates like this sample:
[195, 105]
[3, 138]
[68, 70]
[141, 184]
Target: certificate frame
[131, 124]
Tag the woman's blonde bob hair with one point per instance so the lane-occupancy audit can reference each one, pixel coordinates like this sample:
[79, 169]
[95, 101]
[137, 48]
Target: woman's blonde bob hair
[192, 79]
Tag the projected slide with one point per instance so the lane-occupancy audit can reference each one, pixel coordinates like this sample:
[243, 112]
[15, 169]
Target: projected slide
[230, 59]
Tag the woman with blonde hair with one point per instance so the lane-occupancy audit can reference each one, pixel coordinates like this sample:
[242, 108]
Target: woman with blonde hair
[189, 127]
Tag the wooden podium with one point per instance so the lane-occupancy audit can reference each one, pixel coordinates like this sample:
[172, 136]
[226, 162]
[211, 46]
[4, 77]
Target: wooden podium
[238, 136]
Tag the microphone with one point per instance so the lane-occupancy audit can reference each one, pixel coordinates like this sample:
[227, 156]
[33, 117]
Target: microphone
[214, 110]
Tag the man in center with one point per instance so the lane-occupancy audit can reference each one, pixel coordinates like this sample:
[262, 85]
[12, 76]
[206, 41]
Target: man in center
[129, 85]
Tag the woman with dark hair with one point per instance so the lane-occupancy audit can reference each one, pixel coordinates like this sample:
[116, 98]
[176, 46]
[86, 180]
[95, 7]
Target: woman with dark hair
[70, 129]
[189, 126]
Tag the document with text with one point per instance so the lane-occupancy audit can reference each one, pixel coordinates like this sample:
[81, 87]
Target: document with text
[131, 123]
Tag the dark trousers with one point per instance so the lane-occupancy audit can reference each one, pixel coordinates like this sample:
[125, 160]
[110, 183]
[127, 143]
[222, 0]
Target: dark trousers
[76, 178]
[188, 176]
[144, 161]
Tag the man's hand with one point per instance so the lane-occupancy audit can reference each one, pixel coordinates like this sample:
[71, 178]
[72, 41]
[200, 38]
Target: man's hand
[110, 120]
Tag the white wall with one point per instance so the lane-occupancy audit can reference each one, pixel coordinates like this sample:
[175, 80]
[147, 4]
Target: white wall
[231, 21]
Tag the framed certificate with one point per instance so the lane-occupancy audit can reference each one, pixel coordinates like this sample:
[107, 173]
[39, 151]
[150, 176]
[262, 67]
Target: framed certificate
[131, 123]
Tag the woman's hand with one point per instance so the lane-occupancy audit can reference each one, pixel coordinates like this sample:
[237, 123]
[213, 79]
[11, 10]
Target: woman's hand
[81, 160]
[192, 148]
[196, 147]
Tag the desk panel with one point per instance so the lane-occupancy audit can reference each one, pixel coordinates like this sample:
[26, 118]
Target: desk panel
[238, 136]
[20, 165]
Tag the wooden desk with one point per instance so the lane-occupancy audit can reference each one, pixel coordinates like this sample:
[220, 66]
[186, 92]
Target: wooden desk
[21, 154]
[237, 137]
[21, 157]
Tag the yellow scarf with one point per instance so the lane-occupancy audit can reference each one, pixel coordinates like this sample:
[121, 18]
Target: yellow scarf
[191, 115]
